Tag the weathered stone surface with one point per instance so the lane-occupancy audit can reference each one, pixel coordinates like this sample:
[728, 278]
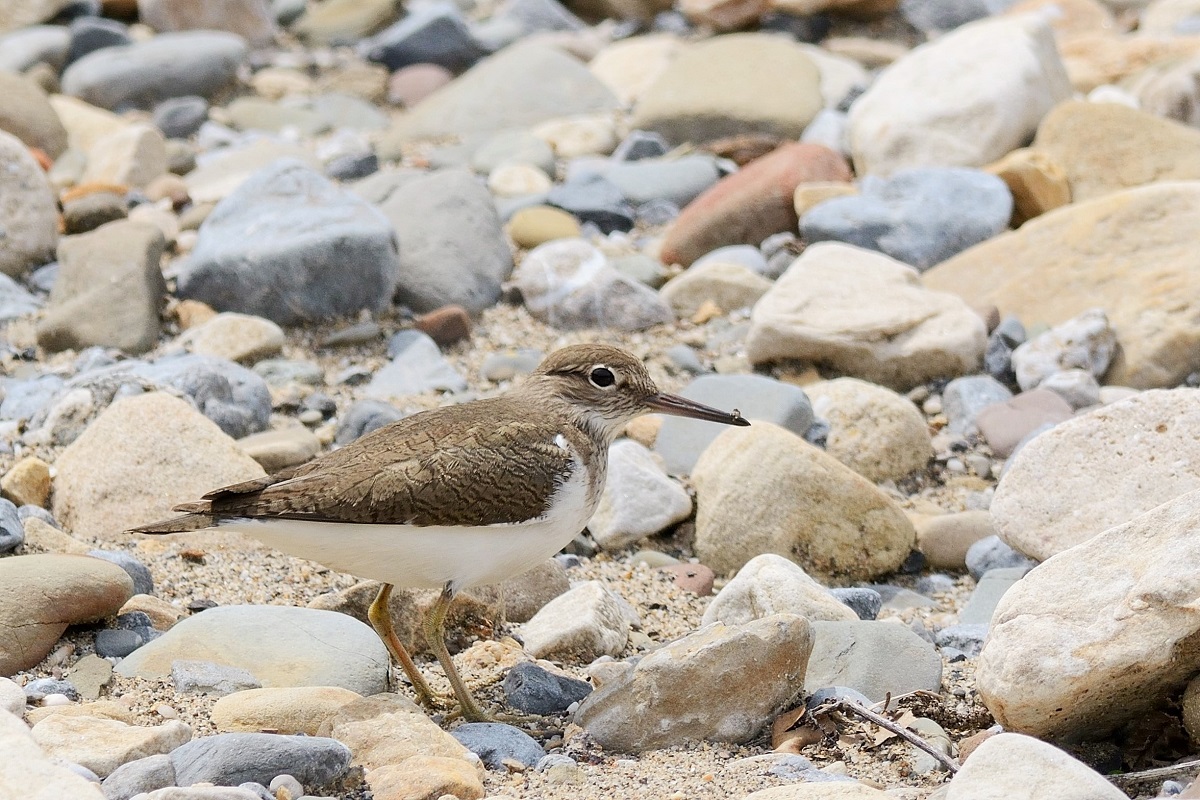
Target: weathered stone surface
[1000, 768]
[390, 729]
[289, 710]
[27, 206]
[875, 658]
[27, 772]
[28, 115]
[771, 584]
[102, 745]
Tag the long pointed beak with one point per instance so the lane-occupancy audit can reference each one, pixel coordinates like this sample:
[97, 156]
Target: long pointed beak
[682, 407]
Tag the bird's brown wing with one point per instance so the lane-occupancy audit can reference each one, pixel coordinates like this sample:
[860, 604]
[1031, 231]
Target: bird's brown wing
[476, 464]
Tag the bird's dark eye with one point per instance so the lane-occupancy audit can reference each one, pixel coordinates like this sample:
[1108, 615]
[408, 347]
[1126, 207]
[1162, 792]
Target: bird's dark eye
[602, 377]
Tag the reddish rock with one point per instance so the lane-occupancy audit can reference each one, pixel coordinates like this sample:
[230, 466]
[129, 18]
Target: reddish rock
[445, 325]
[751, 204]
[410, 85]
[1005, 424]
[695, 578]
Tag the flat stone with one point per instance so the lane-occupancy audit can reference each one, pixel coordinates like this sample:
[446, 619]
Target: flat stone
[680, 693]
[192, 676]
[841, 525]
[539, 224]
[280, 449]
[15, 300]
[964, 398]
[426, 776]
[89, 675]
[27, 204]
[288, 710]
[582, 624]
[639, 499]
[40, 595]
[993, 585]
[875, 658]
[1005, 425]
[27, 765]
[28, 45]
[102, 745]
[1037, 181]
[1003, 763]
[417, 368]
[236, 337]
[234, 758]
[28, 115]
[338, 650]
[946, 538]
[865, 315]
[771, 584]
[390, 729]
[534, 689]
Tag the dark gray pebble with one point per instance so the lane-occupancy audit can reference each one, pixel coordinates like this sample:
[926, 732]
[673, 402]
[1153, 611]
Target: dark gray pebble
[861, 600]
[533, 689]
[143, 583]
[229, 759]
[12, 530]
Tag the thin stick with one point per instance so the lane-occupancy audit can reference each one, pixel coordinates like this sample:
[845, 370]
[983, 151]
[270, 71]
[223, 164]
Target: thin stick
[1157, 774]
[883, 722]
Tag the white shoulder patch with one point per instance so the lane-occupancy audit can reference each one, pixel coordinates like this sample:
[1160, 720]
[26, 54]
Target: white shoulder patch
[562, 443]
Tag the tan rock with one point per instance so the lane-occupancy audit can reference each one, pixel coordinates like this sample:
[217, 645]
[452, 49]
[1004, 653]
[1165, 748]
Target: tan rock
[97, 709]
[1070, 17]
[171, 453]
[999, 769]
[279, 449]
[102, 745]
[771, 584]
[40, 595]
[389, 729]
[1037, 181]
[237, 337]
[840, 525]
[808, 195]
[1099, 634]
[583, 624]
[28, 773]
[723, 15]
[42, 537]
[865, 315]
[1130, 253]
[728, 286]
[28, 115]
[28, 482]
[1096, 59]
[874, 431]
[132, 156]
[629, 67]
[945, 538]
[530, 227]
[163, 615]
[819, 791]
[422, 777]
[85, 123]
[289, 710]
[192, 313]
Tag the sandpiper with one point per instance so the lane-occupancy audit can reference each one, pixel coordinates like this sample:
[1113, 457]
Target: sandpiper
[455, 497]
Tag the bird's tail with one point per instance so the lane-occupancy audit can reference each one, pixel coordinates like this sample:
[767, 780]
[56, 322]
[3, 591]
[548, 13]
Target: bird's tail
[198, 516]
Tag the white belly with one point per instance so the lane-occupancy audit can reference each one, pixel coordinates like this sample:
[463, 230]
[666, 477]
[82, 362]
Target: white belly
[431, 556]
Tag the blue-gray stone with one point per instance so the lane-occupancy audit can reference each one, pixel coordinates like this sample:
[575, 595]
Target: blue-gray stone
[595, 199]
[454, 250]
[431, 33]
[293, 247]
[539, 15]
[230, 395]
[180, 117]
[29, 510]
[966, 638]
[418, 367]
[684, 358]
[143, 583]
[12, 530]
[964, 398]
[873, 658]
[641, 144]
[89, 34]
[681, 441]
[23, 399]
[353, 166]
[992, 553]
[535, 690]
[144, 74]
[997, 356]
[229, 759]
[745, 255]
[363, 417]
[920, 216]
[827, 693]
[282, 371]
[678, 181]
[136, 777]
[981, 605]
[37, 689]
[205, 677]
[494, 742]
[945, 15]
[657, 212]
[15, 300]
[862, 601]
[22, 48]
[257, 788]
[119, 642]
[937, 583]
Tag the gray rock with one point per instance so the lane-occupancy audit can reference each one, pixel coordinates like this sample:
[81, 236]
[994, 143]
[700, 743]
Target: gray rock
[864, 602]
[678, 181]
[205, 677]
[353, 166]
[93, 210]
[595, 199]
[495, 742]
[453, 249]
[230, 395]
[229, 759]
[640, 144]
[536, 690]
[431, 33]
[89, 34]
[28, 208]
[538, 15]
[920, 216]
[417, 368]
[997, 358]
[363, 417]
[966, 638]
[134, 777]
[819, 696]
[118, 642]
[45, 44]
[744, 255]
[23, 400]
[37, 689]
[144, 74]
[15, 300]
[143, 582]
[291, 246]
[994, 553]
[569, 284]
[12, 530]
[875, 658]
[506, 366]
[963, 399]
[992, 586]
[180, 117]
[944, 15]
[1086, 341]
[681, 441]
[37, 512]
[517, 146]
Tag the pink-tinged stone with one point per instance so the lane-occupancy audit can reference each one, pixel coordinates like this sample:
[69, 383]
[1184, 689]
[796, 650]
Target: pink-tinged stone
[751, 204]
[412, 84]
[695, 578]
[1005, 424]
[445, 325]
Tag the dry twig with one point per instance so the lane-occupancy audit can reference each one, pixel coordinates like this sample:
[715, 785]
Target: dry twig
[1156, 775]
[904, 733]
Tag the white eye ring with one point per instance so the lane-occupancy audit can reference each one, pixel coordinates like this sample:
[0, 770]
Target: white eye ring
[602, 377]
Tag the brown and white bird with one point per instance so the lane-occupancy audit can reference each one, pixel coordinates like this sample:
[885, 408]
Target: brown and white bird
[460, 496]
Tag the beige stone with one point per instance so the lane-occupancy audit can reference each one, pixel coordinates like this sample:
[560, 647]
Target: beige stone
[132, 156]
[279, 449]
[763, 489]
[170, 453]
[102, 745]
[1000, 768]
[238, 337]
[423, 777]
[28, 482]
[874, 431]
[865, 315]
[728, 286]
[1070, 17]
[28, 773]
[808, 195]
[86, 124]
[1096, 59]
[629, 67]
[1131, 253]
[388, 729]
[771, 584]
[163, 615]
[288, 710]
[97, 709]
[1099, 634]
[945, 538]
[42, 537]
[1037, 181]
[530, 227]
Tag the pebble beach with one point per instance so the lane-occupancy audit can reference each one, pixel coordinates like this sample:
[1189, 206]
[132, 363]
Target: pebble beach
[940, 253]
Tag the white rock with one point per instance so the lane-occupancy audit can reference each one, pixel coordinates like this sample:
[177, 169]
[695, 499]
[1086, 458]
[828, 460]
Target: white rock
[28, 773]
[639, 498]
[630, 66]
[1100, 633]
[132, 156]
[1098, 470]
[865, 315]
[771, 584]
[515, 180]
[12, 697]
[572, 137]
[102, 745]
[877, 433]
[964, 99]
[1083, 342]
[1077, 386]
[1001, 767]
[585, 623]
[27, 207]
